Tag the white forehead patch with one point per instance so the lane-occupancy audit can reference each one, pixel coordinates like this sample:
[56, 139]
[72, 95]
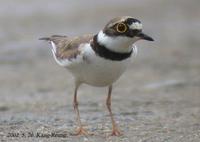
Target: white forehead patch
[136, 25]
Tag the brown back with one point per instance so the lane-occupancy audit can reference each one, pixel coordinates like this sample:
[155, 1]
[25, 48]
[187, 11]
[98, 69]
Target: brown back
[68, 47]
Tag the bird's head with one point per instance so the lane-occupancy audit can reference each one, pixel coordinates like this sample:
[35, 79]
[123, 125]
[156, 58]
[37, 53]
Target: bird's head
[120, 33]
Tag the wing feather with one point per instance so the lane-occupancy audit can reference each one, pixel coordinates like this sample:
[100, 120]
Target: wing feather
[65, 47]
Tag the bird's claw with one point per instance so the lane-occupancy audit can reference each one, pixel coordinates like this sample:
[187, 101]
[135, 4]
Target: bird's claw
[116, 132]
[82, 131]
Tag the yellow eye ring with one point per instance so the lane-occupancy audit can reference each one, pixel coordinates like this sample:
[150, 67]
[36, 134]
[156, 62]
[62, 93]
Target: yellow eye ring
[121, 28]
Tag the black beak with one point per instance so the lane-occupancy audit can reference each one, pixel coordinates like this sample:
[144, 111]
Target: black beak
[145, 37]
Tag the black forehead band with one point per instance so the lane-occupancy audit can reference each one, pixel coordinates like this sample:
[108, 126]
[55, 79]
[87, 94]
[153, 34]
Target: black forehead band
[129, 21]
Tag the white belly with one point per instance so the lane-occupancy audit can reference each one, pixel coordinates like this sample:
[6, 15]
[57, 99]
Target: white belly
[97, 71]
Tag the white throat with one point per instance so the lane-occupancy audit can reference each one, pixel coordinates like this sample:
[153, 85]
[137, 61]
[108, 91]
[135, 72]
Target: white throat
[120, 44]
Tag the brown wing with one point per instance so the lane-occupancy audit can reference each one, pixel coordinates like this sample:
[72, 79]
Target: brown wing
[68, 47]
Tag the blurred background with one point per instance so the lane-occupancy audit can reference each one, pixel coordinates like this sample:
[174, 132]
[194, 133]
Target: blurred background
[158, 96]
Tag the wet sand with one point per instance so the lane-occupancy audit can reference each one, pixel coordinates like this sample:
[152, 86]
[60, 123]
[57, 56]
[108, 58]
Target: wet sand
[156, 100]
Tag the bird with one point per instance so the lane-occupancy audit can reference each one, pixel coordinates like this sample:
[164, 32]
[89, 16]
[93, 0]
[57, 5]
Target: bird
[98, 59]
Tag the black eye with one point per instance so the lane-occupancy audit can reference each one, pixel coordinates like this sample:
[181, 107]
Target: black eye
[121, 28]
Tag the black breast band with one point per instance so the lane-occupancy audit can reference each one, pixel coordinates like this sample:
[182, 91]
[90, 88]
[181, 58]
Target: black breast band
[104, 52]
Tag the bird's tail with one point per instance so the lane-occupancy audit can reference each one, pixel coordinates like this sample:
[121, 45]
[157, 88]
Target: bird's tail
[54, 40]
[53, 37]
[45, 38]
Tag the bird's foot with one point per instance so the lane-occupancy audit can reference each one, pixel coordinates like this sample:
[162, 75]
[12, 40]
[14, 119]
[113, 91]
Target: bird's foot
[116, 132]
[82, 131]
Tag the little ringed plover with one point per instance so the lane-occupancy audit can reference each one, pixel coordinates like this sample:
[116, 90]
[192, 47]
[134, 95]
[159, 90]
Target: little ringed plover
[98, 59]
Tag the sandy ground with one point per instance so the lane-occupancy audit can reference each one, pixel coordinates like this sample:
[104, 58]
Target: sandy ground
[156, 100]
